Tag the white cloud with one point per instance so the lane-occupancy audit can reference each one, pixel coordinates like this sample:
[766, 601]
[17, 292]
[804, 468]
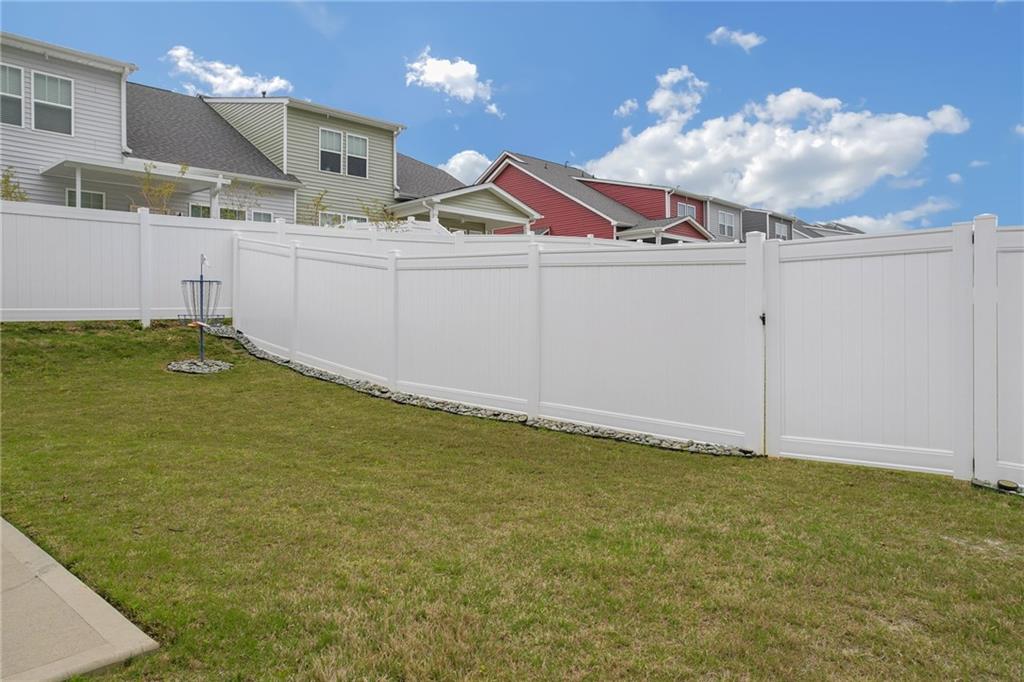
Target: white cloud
[907, 183]
[677, 96]
[218, 78]
[459, 79]
[466, 165]
[748, 41]
[626, 108]
[978, 164]
[1019, 129]
[793, 150]
[955, 178]
[893, 222]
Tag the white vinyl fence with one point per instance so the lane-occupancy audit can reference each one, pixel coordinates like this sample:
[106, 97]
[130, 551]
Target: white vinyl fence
[902, 350]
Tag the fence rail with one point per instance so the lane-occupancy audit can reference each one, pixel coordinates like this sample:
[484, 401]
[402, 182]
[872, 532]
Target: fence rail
[901, 351]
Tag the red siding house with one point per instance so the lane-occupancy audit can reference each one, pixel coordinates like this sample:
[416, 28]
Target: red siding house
[575, 203]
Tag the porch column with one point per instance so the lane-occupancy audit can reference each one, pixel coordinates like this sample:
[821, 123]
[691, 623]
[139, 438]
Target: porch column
[433, 213]
[78, 187]
[526, 226]
[215, 198]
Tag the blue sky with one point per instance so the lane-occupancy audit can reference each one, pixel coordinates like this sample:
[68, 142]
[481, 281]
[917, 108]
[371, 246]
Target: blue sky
[896, 115]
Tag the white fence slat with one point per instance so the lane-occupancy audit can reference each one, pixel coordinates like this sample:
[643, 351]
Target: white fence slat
[962, 330]
[754, 344]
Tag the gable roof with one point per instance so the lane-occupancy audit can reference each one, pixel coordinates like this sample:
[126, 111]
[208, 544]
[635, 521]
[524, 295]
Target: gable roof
[181, 129]
[417, 179]
[66, 53]
[306, 105]
[564, 179]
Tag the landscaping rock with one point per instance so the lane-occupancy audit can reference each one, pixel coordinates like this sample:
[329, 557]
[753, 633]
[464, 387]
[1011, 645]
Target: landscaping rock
[378, 391]
[198, 367]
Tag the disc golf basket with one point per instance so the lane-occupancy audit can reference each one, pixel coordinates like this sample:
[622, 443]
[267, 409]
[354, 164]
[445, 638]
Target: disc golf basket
[201, 297]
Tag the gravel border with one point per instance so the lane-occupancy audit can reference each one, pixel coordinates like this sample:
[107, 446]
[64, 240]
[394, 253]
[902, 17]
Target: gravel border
[194, 366]
[378, 391]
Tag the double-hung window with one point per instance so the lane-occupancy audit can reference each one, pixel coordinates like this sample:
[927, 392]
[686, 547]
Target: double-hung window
[11, 83]
[262, 216]
[331, 219]
[780, 231]
[232, 214]
[358, 155]
[727, 223]
[356, 219]
[330, 150]
[52, 103]
[89, 199]
[199, 210]
[685, 210]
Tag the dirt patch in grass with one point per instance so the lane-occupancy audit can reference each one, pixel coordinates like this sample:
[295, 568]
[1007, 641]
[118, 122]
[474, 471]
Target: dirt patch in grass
[262, 524]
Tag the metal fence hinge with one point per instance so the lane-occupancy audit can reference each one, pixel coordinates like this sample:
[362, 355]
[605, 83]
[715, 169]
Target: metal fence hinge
[762, 319]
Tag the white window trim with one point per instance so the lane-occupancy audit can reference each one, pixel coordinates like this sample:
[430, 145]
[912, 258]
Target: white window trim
[196, 203]
[358, 218]
[69, 190]
[51, 104]
[366, 158]
[21, 97]
[221, 209]
[776, 227]
[320, 149]
[689, 211]
[320, 218]
[731, 225]
[254, 211]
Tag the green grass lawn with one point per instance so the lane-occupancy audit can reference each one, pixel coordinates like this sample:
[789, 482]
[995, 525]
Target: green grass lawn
[260, 524]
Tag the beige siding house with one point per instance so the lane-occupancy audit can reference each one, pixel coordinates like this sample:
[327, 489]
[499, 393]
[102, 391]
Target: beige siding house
[345, 161]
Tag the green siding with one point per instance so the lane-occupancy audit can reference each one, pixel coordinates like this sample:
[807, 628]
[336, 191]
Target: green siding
[345, 194]
[261, 122]
[484, 200]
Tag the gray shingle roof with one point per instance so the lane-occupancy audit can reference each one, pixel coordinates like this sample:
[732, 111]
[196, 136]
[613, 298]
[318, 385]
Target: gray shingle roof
[174, 128]
[563, 177]
[417, 179]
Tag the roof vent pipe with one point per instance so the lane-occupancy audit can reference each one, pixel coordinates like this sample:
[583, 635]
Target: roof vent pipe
[263, 93]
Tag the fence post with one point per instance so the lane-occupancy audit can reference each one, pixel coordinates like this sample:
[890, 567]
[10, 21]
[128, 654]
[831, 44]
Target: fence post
[391, 319]
[773, 338]
[754, 345]
[460, 241]
[985, 368]
[293, 330]
[236, 277]
[145, 267]
[963, 350]
[531, 330]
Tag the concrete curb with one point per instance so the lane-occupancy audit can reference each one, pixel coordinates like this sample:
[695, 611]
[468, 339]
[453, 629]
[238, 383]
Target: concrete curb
[122, 639]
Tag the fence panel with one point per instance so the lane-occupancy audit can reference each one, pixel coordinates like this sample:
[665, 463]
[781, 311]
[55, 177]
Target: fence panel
[342, 324]
[69, 264]
[263, 306]
[860, 353]
[650, 341]
[459, 329]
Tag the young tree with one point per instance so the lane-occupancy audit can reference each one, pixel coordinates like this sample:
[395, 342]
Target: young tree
[378, 213]
[317, 205]
[11, 189]
[244, 197]
[156, 193]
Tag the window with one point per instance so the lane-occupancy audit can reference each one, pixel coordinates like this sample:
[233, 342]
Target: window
[51, 103]
[356, 219]
[330, 150]
[89, 199]
[232, 214]
[727, 223]
[262, 216]
[357, 163]
[684, 210]
[330, 219]
[11, 81]
[780, 231]
[199, 210]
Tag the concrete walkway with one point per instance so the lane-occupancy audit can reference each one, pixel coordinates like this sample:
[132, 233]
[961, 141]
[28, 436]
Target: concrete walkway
[51, 625]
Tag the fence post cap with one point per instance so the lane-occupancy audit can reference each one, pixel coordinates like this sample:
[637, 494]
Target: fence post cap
[142, 209]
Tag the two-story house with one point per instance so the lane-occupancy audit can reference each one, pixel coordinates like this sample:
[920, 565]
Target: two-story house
[575, 203]
[70, 120]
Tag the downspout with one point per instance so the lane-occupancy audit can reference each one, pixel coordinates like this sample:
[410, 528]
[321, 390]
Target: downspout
[668, 205]
[394, 161]
[125, 149]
